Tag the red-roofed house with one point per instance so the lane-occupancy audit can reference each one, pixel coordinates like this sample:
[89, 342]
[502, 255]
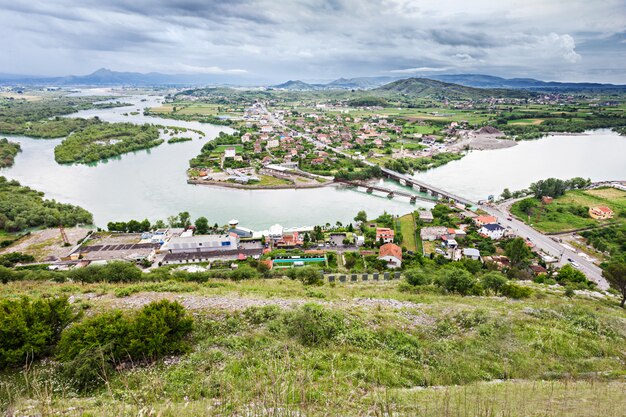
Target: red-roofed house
[600, 212]
[385, 234]
[483, 220]
[392, 254]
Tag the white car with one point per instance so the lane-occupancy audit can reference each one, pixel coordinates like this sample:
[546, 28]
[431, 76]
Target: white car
[574, 264]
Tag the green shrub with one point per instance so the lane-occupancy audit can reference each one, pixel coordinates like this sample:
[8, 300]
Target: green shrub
[243, 273]
[516, 291]
[458, 281]
[117, 271]
[158, 329]
[493, 281]
[308, 275]
[314, 325]
[88, 370]
[29, 329]
[10, 259]
[418, 277]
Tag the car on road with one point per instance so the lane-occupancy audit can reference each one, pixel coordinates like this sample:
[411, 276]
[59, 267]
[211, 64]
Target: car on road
[510, 218]
[573, 263]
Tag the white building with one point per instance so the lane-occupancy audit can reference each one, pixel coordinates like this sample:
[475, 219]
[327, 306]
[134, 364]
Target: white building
[276, 232]
[471, 253]
[273, 143]
[492, 230]
[201, 243]
[230, 152]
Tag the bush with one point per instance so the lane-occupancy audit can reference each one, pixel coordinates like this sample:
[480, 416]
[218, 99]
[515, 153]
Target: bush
[9, 260]
[516, 291]
[417, 277]
[308, 275]
[88, 370]
[29, 329]
[117, 271]
[458, 281]
[158, 329]
[314, 325]
[244, 273]
[493, 281]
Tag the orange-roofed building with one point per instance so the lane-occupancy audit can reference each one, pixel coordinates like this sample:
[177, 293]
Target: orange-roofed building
[392, 254]
[483, 220]
[601, 212]
[385, 234]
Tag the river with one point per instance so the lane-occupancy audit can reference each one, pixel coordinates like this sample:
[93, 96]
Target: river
[152, 183]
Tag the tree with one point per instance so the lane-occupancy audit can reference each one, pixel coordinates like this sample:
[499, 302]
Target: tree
[506, 194]
[361, 217]
[159, 224]
[172, 221]
[517, 251]
[202, 225]
[493, 281]
[527, 205]
[568, 274]
[615, 273]
[455, 280]
[184, 219]
[417, 276]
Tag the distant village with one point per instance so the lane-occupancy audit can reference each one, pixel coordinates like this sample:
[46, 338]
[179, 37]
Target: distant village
[307, 148]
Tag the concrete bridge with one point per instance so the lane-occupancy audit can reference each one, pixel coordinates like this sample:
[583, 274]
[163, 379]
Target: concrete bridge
[436, 193]
[370, 188]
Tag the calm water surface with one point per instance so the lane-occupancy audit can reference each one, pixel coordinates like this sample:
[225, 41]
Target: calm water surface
[152, 183]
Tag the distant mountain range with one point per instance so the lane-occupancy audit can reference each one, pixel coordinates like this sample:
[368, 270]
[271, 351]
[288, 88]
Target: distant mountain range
[467, 80]
[106, 77]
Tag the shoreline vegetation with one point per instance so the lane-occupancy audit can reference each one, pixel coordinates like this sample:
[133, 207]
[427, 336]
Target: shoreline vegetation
[259, 187]
[105, 140]
[8, 152]
[22, 207]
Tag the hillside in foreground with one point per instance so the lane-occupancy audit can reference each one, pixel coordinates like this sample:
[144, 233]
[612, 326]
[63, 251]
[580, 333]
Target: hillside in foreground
[278, 347]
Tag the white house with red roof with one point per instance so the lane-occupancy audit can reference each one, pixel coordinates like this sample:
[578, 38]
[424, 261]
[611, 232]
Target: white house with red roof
[392, 254]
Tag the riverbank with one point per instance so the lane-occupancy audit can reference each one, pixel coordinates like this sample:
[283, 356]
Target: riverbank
[259, 187]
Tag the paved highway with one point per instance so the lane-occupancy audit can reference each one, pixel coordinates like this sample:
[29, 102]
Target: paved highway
[545, 243]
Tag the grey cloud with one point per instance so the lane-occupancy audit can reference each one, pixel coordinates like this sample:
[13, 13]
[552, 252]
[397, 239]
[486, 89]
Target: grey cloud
[276, 40]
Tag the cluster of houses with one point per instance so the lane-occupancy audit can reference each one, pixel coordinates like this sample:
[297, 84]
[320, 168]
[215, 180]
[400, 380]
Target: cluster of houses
[488, 227]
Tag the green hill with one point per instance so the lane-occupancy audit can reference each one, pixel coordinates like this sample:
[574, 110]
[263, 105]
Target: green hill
[425, 88]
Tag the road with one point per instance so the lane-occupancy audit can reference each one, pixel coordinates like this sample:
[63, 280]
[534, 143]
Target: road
[545, 243]
[501, 212]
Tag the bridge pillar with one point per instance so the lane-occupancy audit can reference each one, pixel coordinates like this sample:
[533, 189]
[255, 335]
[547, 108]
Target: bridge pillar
[413, 199]
[424, 190]
[370, 190]
[390, 195]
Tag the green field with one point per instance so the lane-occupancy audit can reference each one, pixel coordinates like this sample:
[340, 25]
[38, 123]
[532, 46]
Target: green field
[407, 228]
[562, 214]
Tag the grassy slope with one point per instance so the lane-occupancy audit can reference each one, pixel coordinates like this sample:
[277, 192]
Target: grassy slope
[407, 227]
[394, 344]
[551, 220]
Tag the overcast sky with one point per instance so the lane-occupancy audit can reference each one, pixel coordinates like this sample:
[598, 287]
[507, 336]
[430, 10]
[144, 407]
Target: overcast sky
[276, 40]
